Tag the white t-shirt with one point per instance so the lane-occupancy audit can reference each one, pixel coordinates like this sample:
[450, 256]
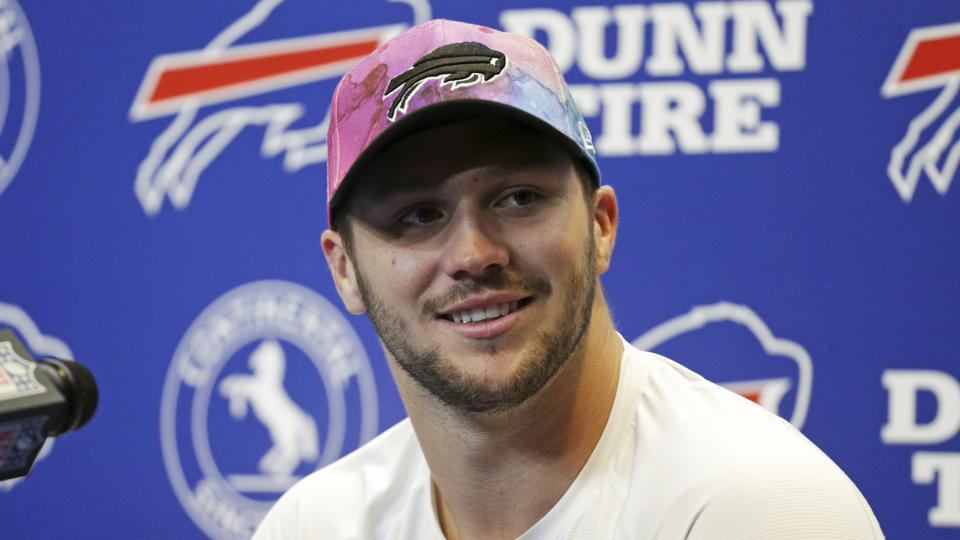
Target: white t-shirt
[680, 457]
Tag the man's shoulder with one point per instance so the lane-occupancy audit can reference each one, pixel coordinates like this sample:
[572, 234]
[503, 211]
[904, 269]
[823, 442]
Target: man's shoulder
[354, 495]
[675, 405]
[724, 454]
[686, 429]
[807, 501]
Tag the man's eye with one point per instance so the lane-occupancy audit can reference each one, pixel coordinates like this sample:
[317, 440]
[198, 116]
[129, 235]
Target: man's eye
[522, 197]
[420, 216]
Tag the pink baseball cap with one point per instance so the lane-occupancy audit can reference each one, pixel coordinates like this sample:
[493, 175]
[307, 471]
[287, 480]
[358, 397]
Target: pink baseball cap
[441, 71]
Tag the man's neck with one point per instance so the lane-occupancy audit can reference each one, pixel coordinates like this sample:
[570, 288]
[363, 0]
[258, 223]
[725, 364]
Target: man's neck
[497, 474]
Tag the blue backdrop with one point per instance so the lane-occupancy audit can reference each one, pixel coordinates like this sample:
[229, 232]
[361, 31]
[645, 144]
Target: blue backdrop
[788, 228]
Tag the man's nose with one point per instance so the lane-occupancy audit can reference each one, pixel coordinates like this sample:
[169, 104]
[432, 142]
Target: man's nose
[475, 248]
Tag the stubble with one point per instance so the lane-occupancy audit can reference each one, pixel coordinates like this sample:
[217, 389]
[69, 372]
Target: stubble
[552, 347]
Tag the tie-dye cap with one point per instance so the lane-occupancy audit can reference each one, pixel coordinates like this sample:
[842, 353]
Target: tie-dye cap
[441, 71]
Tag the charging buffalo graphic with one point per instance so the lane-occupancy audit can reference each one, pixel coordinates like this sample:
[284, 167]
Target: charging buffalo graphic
[927, 60]
[206, 92]
[459, 64]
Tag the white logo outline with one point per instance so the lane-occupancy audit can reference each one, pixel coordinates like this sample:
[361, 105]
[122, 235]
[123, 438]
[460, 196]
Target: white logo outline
[15, 32]
[233, 318]
[926, 158]
[179, 155]
[700, 316]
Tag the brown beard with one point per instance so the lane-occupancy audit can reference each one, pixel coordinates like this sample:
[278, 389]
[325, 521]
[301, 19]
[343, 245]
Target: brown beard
[551, 351]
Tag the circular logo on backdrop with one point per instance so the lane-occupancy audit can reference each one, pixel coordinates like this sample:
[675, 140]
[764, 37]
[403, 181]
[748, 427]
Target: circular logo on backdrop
[19, 89]
[269, 383]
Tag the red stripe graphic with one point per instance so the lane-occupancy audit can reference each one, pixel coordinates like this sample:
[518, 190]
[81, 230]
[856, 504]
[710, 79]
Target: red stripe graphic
[216, 74]
[932, 57]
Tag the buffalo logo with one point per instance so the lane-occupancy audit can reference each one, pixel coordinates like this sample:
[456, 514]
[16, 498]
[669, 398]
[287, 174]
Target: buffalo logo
[456, 64]
[927, 60]
[188, 86]
[703, 337]
[269, 383]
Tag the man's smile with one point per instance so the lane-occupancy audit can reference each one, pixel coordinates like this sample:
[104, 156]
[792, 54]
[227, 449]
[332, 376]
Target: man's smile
[485, 317]
[484, 311]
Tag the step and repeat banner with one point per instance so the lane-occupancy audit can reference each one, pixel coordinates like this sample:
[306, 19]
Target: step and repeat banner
[788, 229]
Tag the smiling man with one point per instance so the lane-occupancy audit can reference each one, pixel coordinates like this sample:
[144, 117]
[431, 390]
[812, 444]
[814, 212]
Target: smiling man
[468, 221]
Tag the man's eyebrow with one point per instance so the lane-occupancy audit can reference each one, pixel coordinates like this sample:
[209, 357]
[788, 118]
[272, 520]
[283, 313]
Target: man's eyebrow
[381, 191]
[377, 189]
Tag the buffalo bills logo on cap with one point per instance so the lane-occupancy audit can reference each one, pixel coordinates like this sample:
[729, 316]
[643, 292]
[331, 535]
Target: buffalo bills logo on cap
[459, 64]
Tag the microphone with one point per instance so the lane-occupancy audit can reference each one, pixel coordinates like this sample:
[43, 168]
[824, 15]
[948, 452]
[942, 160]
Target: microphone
[38, 399]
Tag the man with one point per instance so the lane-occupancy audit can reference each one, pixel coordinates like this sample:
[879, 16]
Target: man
[468, 221]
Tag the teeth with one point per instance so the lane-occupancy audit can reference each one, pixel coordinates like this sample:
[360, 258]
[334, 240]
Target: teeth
[482, 314]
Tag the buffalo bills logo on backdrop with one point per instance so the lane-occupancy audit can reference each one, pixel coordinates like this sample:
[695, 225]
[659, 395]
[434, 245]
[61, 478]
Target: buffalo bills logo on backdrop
[704, 340]
[20, 90]
[184, 85]
[268, 384]
[40, 345]
[456, 64]
[928, 60]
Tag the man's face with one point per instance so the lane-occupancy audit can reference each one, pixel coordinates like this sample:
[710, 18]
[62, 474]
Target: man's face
[473, 253]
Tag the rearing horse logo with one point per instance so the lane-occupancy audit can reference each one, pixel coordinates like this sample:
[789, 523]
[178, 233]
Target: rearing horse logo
[292, 431]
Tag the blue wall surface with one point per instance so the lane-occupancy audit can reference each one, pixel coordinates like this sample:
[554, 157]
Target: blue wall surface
[788, 228]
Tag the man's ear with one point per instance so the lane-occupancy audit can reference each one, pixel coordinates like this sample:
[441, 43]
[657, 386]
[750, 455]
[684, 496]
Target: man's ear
[343, 272]
[605, 213]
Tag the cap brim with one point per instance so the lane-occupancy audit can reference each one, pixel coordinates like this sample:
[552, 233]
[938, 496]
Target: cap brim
[447, 112]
